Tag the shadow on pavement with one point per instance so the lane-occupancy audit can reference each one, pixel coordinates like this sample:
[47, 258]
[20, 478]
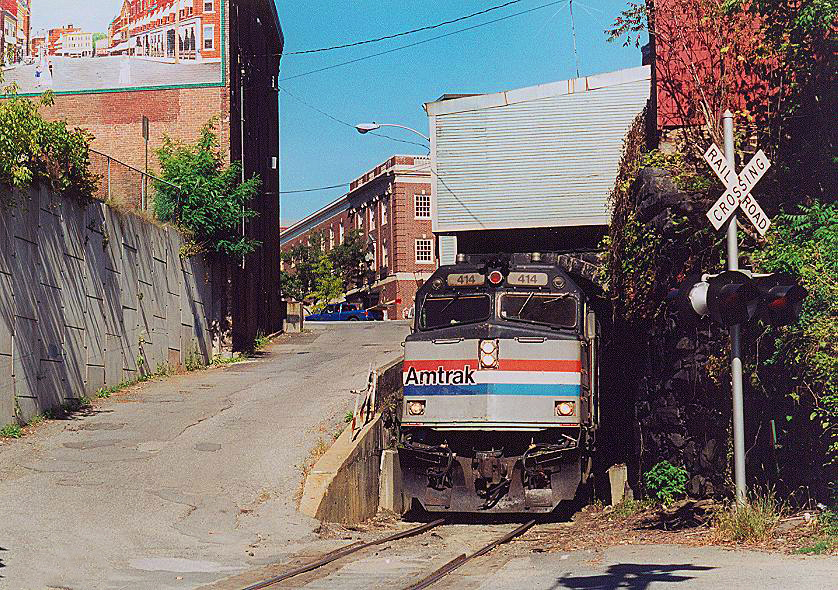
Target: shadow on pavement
[632, 576]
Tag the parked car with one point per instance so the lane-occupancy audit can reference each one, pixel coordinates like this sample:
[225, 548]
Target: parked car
[336, 312]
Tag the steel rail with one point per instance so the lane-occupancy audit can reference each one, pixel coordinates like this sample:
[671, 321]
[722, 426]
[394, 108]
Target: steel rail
[343, 552]
[461, 559]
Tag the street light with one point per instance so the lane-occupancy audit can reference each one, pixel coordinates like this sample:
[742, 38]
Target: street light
[367, 127]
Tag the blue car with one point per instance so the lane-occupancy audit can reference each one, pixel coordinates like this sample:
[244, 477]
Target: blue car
[336, 312]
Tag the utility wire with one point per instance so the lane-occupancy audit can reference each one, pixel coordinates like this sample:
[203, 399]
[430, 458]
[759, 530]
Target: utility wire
[342, 122]
[402, 34]
[312, 190]
[380, 53]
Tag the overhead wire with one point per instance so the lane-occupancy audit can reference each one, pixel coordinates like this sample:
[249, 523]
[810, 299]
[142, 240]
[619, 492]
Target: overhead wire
[428, 40]
[403, 33]
[345, 123]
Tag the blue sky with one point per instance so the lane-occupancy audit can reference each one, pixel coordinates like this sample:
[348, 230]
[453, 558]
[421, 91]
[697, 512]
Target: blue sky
[522, 51]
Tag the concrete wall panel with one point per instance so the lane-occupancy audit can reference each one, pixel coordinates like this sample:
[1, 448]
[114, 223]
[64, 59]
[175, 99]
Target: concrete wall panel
[90, 297]
[7, 317]
[7, 390]
[73, 297]
[25, 283]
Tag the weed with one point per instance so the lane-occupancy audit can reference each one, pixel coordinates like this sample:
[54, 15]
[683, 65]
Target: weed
[666, 482]
[194, 361]
[750, 522]
[348, 417]
[630, 507]
[261, 341]
[11, 431]
[36, 419]
[219, 360]
[827, 539]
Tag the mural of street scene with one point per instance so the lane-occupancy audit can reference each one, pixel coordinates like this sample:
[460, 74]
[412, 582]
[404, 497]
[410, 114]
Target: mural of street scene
[115, 44]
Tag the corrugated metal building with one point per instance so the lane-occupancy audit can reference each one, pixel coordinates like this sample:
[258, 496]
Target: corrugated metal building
[537, 159]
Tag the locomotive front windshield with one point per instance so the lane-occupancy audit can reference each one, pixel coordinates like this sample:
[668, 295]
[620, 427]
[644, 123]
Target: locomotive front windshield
[439, 311]
[559, 311]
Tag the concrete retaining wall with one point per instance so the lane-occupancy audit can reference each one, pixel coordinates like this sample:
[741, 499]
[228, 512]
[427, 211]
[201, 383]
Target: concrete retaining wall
[344, 484]
[90, 297]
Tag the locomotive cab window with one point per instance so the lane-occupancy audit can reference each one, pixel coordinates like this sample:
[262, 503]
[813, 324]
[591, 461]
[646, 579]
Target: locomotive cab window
[559, 311]
[439, 311]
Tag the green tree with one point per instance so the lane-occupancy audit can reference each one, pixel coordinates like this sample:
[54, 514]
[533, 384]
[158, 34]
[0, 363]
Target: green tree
[300, 281]
[212, 202]
[33, 149]
[328, 284]
[350, 260]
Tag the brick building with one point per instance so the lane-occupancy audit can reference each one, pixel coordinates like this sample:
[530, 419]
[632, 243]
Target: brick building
[244, 103]
[55, 38]
[391, 205]
[10, 45]
[38, 44]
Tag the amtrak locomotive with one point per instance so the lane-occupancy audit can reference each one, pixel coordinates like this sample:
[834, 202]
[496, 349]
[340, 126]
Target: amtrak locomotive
[500, 387]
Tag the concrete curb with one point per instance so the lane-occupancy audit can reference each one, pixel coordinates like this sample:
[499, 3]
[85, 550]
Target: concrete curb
[343, 486]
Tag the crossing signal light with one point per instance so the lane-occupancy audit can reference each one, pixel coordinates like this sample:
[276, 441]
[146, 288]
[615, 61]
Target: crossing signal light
[735, 297]
[782, 298]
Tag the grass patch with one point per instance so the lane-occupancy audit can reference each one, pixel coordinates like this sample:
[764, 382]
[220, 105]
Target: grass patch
[12, 430]
[751, 522]
[630, 507]
[826, 539]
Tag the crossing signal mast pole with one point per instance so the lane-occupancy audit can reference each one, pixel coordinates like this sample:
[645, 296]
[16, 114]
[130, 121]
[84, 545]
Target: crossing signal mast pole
[735, 336]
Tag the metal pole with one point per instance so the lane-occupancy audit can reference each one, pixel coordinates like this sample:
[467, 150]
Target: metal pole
[735, 337]
[145, 178]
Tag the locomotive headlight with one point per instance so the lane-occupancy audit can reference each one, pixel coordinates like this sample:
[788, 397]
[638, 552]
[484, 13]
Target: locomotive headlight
[416, 408]
[488, 354]
[487, 346]
[565, 408]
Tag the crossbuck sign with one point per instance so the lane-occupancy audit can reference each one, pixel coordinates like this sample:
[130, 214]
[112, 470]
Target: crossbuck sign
[738, 193]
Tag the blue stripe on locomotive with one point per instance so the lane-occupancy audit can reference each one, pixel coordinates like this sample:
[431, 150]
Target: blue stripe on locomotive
[552, 390]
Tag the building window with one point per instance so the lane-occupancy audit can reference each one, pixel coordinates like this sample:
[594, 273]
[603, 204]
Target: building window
[423, 206]
[383, 212]
[209, 6]
[209, 37]
[424, 251]
[331, 238]
[358, 220]
[385, 258]
[372, 216]
[340, 233]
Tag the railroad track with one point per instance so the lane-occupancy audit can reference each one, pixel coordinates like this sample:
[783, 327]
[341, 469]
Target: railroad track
[425, 582]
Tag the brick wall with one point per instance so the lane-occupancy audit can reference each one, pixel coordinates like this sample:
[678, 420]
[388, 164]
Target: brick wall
[115, 119]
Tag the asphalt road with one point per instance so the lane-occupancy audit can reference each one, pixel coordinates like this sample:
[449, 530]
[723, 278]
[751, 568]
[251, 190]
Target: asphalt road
[107, 73]
[182, 482]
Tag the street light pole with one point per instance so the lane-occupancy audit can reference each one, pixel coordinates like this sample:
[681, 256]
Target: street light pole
[367, 127]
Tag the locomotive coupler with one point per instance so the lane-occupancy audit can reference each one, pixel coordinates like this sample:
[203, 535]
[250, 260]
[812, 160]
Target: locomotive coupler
[492, 475]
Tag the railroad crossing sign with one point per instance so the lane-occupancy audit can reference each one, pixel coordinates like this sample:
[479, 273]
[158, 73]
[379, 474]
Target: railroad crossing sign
[738, 193]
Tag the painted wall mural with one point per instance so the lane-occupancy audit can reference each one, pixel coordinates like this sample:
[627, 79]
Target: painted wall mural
[71, 46]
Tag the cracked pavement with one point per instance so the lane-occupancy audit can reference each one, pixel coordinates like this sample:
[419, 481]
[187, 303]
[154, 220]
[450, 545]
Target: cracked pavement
[183, 481]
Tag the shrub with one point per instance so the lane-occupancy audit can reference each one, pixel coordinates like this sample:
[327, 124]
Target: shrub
[666, 482]
[214, 201]
[750, 522]
[33, 149]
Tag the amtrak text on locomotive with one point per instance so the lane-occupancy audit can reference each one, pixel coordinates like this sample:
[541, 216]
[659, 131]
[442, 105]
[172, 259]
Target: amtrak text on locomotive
[464, 376]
